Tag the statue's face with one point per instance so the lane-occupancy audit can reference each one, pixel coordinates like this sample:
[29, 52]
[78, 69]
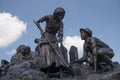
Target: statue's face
[23, 52]
[84, 35]
[27, 50]
[59, 16]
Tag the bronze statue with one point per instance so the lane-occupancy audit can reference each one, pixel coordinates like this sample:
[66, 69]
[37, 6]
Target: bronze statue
[49, 51]
[95, 51]
[23, 54]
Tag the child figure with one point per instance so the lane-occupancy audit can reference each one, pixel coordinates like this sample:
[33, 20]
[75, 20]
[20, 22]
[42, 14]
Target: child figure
[94, 46]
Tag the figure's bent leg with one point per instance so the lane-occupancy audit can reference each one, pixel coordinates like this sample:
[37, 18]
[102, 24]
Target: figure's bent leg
[106, 59]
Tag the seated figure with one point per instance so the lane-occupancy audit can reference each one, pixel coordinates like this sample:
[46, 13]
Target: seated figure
[95, 51]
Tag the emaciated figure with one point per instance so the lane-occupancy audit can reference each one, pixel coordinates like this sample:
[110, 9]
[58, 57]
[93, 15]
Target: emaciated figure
[54, 26]
[94, 46]
[23, 53]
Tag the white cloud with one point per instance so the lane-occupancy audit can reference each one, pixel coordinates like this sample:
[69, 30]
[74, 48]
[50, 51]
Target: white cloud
[11, 28]
[75, 41]
[12, 52]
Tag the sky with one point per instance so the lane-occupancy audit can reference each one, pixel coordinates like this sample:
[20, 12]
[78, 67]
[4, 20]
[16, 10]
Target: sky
[17, 27]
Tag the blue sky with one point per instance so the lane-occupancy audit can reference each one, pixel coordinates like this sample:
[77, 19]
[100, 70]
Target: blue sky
[101, 16]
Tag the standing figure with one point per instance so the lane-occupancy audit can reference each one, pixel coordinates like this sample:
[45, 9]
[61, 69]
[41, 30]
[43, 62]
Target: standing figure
[54, 33]
[95, 47]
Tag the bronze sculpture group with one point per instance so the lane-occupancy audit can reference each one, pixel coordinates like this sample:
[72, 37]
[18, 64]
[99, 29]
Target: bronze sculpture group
[96, 53]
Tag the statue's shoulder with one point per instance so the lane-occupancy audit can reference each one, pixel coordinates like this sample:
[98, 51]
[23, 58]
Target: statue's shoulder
[49, 16]
[94, 39]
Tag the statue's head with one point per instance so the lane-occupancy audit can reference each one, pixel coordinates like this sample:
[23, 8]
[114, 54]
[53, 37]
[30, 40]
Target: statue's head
[86, 32]
[20, 48]
[27, 50]
[59, 13]
[37, 40]
[24, 50]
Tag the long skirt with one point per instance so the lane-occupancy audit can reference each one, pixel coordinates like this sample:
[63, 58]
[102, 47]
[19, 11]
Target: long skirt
[48, 56]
